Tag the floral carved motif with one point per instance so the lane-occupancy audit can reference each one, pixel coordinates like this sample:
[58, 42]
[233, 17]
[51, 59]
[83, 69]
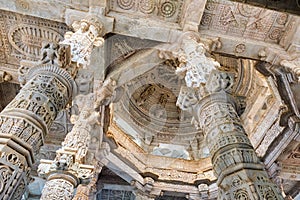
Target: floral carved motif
[167, 9]
[28, 39]
[57, 189]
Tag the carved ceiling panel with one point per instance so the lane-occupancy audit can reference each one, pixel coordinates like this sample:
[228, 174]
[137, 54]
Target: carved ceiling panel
[150, 100]
[22, 36]
[149, 105]
[164, 10]
[245, 21]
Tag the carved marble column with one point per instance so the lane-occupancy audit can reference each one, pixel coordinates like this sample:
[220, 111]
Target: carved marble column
[24, 123]
[69, 165]
[240, 173]
[47, 88]
[208, 97]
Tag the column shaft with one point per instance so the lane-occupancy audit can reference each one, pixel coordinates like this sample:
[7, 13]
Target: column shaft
[240, 173]
[70, 159]
[207, 96]
[58, 186]
[24, 124]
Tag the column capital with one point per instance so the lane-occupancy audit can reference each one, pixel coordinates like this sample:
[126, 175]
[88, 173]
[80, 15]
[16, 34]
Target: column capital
[88, 32]
[192, 52]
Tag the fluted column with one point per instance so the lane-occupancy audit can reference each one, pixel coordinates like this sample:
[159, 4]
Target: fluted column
[208, 97]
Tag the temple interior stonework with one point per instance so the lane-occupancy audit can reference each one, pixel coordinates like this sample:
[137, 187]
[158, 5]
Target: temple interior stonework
[150, 99]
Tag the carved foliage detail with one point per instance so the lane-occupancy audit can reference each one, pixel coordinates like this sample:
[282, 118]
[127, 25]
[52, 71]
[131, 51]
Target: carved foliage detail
[57, 189]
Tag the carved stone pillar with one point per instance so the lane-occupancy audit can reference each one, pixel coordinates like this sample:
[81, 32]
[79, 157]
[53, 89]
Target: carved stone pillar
[24, 123]
[48, 87]
[208, 97]
[240, 173]
[69, 164]
[59, 186]
[68, 169]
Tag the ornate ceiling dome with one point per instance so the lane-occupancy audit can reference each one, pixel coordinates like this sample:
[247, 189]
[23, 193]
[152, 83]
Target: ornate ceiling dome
[149, 106]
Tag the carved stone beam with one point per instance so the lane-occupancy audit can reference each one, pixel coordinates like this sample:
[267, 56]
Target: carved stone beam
[293, 66]
[143, 191]
[208, 97]
[289, 60]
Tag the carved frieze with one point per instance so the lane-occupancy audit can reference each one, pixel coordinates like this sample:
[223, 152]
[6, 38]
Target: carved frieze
[242, 20]
[23, 36]
[168, 10]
